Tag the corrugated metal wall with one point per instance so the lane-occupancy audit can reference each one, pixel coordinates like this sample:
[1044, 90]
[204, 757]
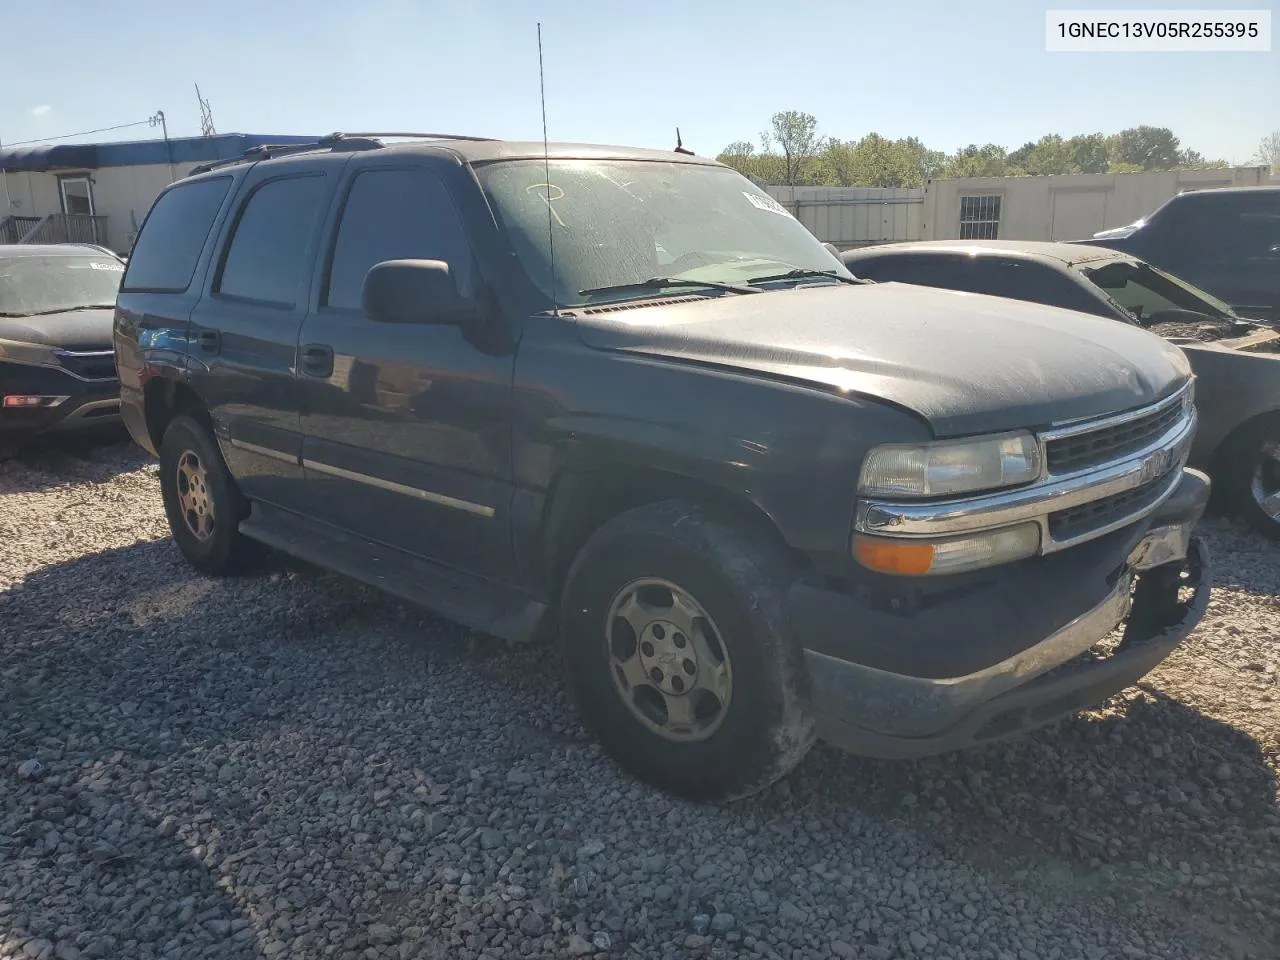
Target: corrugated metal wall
[855, 216]
[1031, 208]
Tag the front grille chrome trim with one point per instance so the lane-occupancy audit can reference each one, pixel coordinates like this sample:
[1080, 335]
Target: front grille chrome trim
[1079, 427]
[1163, 458]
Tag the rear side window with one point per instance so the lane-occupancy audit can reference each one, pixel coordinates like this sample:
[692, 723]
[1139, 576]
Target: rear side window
[164, 257]
[925, 270]
[267, 255]
[1036, 282]
[395, 215]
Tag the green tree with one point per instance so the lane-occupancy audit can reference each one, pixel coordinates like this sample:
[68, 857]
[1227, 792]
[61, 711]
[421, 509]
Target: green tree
[1088, 153]
[989, 160]
[1048, 155]
[875, 161]
[796, 136]
[1151, 148]
[743, 157]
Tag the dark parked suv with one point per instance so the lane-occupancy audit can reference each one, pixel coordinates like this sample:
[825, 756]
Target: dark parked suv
[622, 397]
[1225, 241]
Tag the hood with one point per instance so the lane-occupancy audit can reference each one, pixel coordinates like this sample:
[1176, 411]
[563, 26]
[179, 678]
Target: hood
[964, 362]
[1117, 233]
[78, 329]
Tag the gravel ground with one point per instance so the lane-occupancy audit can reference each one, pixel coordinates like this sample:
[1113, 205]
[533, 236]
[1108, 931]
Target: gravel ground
[288, 765]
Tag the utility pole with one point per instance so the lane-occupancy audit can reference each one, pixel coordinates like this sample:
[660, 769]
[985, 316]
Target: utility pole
[158, 121]
[206, 115]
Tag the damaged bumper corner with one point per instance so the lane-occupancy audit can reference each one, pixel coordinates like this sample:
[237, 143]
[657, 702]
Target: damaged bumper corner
[1159, 596]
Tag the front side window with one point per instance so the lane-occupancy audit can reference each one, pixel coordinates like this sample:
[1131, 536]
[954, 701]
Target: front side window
[1146, 292]
[624, 221]
[395, 215]
[266, 258]
[1252, 235]
[164, 257]
[30, 286]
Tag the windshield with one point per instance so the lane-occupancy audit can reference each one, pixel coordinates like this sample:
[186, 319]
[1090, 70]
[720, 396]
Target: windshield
[1146, 292]
[616, 222]
[34, 285]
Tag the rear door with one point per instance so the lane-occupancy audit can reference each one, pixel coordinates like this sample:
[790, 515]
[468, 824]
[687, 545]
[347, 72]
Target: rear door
[244, 331]
[407, 427]
[161, 286]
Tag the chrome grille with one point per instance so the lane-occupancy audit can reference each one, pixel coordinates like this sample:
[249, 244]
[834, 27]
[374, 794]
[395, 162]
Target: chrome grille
[1094, 447]
[1109, 512]
[89, 364]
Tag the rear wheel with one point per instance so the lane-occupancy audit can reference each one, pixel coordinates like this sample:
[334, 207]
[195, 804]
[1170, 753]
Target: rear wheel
[679, 654]
[201, 500]
[1251, 468]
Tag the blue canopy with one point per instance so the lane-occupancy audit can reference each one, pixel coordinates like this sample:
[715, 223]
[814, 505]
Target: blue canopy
[226, 146]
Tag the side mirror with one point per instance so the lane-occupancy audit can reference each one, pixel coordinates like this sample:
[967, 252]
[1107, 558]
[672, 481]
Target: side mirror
[414, 291]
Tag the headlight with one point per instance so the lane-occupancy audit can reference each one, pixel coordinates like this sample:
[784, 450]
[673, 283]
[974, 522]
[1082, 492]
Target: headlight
[949, 467]
[34, 353]
[915, 558]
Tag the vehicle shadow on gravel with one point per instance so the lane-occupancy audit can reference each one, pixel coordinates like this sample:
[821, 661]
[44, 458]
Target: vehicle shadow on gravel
[93, 861]
[172, 713]
[95, 457]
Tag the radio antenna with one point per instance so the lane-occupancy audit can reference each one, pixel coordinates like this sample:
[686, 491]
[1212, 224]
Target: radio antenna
[546, 172]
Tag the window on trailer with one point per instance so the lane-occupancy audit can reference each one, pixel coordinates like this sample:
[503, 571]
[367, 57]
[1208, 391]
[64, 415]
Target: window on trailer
[979, 218]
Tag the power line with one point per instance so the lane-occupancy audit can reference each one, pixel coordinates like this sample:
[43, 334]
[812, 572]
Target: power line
[150, 121]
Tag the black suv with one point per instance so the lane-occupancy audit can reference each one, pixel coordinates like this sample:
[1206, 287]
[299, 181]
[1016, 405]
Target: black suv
[1224, 240]
[622, 397]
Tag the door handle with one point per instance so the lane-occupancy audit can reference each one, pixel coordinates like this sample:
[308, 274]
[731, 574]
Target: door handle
[210, 341]
[317, 360]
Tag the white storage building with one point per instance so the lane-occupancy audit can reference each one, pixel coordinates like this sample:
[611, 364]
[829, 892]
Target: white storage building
[100, 192]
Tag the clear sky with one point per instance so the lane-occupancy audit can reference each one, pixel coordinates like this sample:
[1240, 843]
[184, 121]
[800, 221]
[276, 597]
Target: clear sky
[950, 73]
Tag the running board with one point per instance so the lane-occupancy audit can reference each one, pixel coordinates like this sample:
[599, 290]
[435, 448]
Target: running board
[482, 605]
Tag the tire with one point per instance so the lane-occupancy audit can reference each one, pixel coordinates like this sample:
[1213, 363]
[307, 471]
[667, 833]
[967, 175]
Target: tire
[736, 581]
[1250, 471]
[205, 524]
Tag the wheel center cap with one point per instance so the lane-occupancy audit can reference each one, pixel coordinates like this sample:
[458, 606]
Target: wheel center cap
[668, 657]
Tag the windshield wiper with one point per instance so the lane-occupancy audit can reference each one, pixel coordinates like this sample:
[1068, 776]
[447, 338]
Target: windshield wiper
[660, 283]
[800, 273]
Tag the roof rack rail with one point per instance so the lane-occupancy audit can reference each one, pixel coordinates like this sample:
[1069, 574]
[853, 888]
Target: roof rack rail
[334, 141]
[422, 136]
[265, 151]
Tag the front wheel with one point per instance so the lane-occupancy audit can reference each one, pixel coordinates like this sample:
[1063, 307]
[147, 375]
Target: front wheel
[201, 500]
[1252, 475]
[679, 652]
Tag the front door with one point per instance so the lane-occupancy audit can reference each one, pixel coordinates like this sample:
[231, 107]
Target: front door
[1228, 243]
[406, 427]
[244, 331]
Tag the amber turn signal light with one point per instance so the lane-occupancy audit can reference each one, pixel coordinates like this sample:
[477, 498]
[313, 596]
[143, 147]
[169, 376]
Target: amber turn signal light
[902, 557]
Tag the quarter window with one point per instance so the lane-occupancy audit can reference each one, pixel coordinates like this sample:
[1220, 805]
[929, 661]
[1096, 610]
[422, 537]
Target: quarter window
[164, 257]
[266, 258]
[979, 218]
[395, 215]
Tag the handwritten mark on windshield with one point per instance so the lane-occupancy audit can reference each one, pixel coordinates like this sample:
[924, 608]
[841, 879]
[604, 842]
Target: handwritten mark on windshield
[548, 193]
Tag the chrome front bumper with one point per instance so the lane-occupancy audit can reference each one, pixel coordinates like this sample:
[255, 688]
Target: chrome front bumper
[879, 713]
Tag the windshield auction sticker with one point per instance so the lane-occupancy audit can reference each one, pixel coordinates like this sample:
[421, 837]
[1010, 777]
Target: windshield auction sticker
[1158, 31]
[766, 202]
